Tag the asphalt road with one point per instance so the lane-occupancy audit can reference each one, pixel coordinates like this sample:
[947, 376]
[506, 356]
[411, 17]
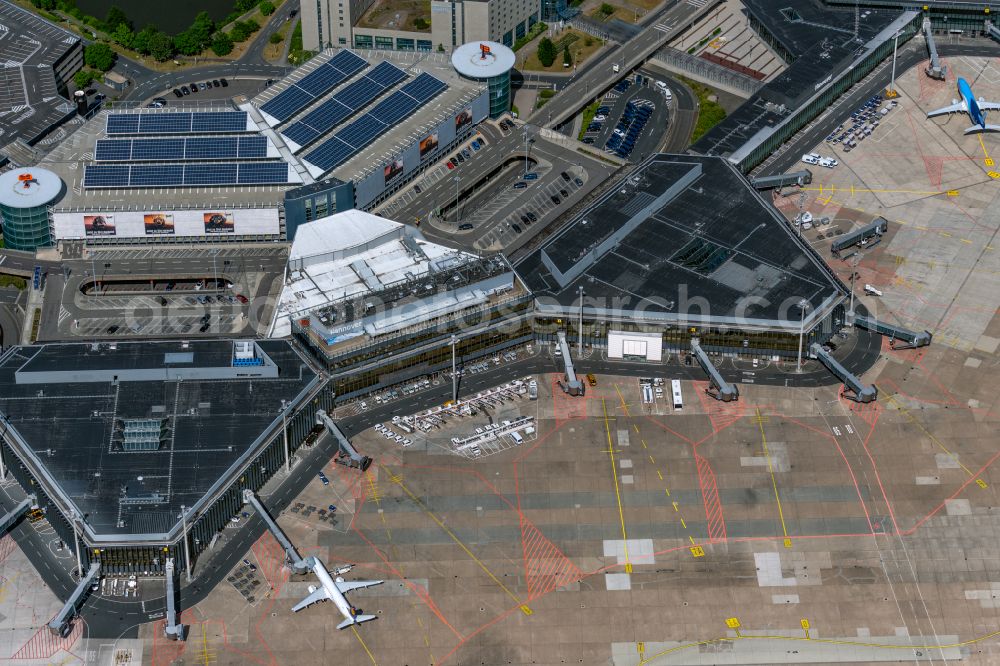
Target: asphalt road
[148, 83]
[594, 80]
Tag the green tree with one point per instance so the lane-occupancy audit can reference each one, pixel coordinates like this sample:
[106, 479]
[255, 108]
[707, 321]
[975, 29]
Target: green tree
[267, 8]
[276, 38]
[243, 29]
[567, 58]
[187, 43]
[222, 44]
[99, 56]
[83, 78]
[440, 48]
[161, 46]
[202, 29]
[123, 35]
[546, 52]
[141, 40]
[115, 18]
[607, 9]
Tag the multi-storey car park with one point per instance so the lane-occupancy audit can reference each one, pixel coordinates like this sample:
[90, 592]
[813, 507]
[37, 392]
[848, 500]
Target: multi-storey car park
[340, 132]
[144, 449]
[40, 60]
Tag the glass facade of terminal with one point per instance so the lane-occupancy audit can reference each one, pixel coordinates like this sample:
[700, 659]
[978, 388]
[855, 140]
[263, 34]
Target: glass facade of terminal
[26, 228]
[964, 17]
[805, 114]
[499, 94]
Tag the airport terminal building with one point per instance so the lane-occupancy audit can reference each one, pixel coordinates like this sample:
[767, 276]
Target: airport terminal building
[141, 444]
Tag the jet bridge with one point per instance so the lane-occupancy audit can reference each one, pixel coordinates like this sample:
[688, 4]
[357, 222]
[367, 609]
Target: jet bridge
[8, 521]
[718, 387]
[991, 30]
[911, 339]
[573, 385]
[60, 624]
[347, 450]
[853, 388]
[173, 630]
[866, 235]
[935, 69]
[800, 178]
[291, 555]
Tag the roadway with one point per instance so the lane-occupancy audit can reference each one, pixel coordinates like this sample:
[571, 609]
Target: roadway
[148, 83]
[593, 80]
[113, 618]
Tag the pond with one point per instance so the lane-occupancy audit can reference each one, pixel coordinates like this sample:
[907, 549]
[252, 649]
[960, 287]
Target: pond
[170, 17]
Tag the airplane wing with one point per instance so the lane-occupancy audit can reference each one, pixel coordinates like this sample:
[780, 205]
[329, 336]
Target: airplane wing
[347, 586]
[958, 107]
[989, 106]
[319, 595]
[975, 129]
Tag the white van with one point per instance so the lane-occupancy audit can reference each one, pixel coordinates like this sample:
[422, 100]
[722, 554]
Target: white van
[872, 291]
[811, 158]
[516, 436]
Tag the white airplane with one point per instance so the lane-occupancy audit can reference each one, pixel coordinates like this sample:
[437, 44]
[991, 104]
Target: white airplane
[334, 590]
[970, 105]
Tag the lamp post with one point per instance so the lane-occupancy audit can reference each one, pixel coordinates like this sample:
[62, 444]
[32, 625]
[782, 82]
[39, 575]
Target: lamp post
[579, 325]
[458, 179]
[76, 543]
[803, 304]
[184, 535]
[284, 432]
[454, 377]
[855, 260]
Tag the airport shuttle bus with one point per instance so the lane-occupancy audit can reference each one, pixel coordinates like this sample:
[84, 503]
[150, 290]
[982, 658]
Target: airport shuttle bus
[675, 386]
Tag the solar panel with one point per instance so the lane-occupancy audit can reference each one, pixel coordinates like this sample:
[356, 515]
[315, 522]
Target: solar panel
[345, 103]
[123, 123]
[174, 175]
[219, 121]
[287, 103]
[212, 148]
[113, 150]
[262, 173]
[106, 175]
[347, 142]
[252, 147]
[210, 174]
[156, 175]
[316, 83]
[159, 150]
[164, 123]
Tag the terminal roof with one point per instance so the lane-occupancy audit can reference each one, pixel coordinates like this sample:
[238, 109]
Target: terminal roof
[682, 237]
[74, 429]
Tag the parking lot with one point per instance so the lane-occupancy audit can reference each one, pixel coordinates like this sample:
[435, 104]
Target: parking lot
[632, 118]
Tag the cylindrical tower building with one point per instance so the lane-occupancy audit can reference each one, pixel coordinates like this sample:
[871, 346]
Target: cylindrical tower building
[491, 63]
[25, 197]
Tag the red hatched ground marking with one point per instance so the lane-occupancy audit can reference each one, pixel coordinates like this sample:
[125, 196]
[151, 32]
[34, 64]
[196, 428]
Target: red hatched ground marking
[44, 644]
[867, 412]
[546, 567]
[715, 522]
[566, 407]
[165, 651]
[7, 546]
[721, 414]
[271, 558]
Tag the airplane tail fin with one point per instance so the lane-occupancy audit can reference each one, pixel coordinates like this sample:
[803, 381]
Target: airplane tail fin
[355, 620]
[979, 128]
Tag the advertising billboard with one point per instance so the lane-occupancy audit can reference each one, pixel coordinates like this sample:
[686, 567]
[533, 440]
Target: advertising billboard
[463, 119]
[158, 224]
[219, 223]
[393, 169]
[151, 224]
[99, 225]
[428, 144]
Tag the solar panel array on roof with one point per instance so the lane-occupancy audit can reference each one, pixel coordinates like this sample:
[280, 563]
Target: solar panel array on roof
[347, 142]
[344, 104]
[190, 148]
[321, 80]
[174, 175]
[160, 122]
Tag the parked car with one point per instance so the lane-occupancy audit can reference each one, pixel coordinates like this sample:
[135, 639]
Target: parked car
[520, 185]
[185, 91]
[532, 216]
[224, 83]
[516, 227]
[216, 84]
[242, 299]
[113, 329]
[177, 93]
[555, 199]
[464, 227]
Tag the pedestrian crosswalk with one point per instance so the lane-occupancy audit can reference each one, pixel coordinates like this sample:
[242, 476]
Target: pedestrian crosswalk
[697, 3]
[667, 27]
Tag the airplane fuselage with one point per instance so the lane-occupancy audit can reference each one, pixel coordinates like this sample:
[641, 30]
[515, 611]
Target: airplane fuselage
[332, 590]
[975, 113]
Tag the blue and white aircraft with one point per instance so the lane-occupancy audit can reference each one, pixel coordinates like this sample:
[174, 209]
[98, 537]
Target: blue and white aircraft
[974, 108]
[334, 589]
